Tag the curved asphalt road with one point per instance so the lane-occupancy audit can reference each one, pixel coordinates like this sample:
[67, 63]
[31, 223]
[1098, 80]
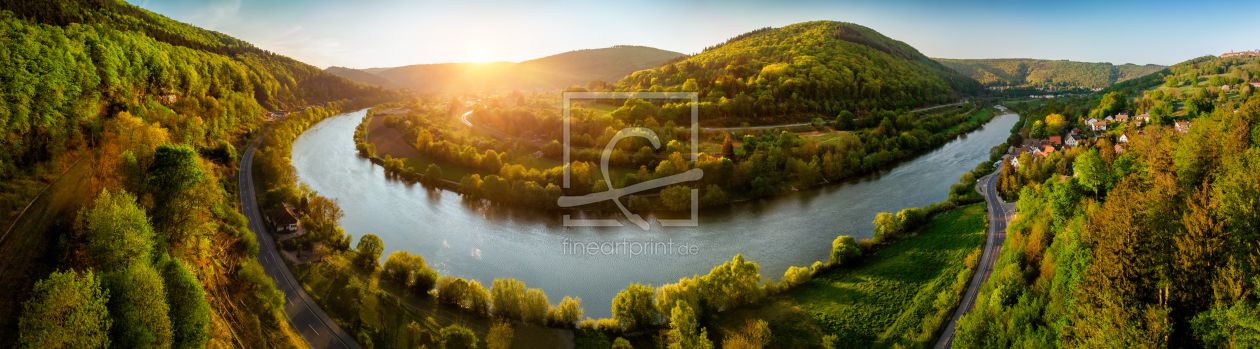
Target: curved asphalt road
[307, 317]
[1000, 213]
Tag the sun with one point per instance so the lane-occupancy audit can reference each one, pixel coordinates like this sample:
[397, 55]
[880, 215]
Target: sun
[480, 53]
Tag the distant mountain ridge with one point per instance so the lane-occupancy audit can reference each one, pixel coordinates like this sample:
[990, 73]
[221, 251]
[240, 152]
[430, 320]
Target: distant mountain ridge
[363, 77]
[552, 72]
[1044, 73]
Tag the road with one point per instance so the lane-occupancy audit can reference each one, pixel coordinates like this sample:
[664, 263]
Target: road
[1000, 213]
[307, 317]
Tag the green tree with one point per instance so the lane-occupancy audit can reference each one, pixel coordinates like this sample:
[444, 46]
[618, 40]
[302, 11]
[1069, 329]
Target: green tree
[369, 248]
[66, 310]
[683, 332]
[173, 177]
[634, 307]
[433, 174]
[190, 313]
[139, 309]
[567, 313]
[690, 86]
[844, 121]
[676, 197]
[844, 250]
[1038, 130]
[116, 231]
[1091, 171]
[458, 337]
[911, 218]
[886, 226]
[621, 343]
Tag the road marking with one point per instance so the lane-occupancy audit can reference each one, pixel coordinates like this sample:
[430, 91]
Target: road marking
[313, 329]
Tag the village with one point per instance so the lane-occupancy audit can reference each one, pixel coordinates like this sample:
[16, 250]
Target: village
[1097, 129]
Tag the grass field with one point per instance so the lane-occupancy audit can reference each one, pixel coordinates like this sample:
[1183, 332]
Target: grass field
[974, 118]
[31, 251]
[384, 308]
[875, 303]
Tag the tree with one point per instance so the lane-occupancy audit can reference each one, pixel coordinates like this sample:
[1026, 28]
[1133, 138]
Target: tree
[116, 231]
[190, 313]
[400, 265]
[66, 310]
[1091, 171]
[676, 197]
[534, 306]
[458, 337]
[621, 343]
[844, 121]
[173, 176]
[500, 336]
[139, 309]
[1055, 124]
[369, 248]
[690, 86]
[506, 296]
[886, 226]
[911, 218]
[1038, 130]
[633, 307]
[567, 313]
[844, 250]
[682, 329]
[433, 174]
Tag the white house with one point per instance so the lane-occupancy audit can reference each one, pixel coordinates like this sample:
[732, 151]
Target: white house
[1124, 138]
[1098, 126]
[1070, 140]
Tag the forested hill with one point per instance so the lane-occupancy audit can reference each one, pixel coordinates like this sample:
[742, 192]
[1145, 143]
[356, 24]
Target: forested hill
[1045, 73]
[64, 59]
[552, 72]
[819, 67]
[363, 77]
[121, 129]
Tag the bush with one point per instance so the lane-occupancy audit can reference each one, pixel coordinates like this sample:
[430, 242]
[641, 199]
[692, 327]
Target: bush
[844, 250]
[911, 218]
[795, 276]
[458, 337]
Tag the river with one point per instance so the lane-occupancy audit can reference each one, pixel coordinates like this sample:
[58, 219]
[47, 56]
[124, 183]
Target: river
[481, 242]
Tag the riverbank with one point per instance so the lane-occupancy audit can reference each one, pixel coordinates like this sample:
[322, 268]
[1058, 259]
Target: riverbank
[902, 293]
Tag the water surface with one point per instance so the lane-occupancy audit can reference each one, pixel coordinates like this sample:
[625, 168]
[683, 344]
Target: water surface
[481, 242]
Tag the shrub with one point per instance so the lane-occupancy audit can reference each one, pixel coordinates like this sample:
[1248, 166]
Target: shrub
[566, 314]
[458, 337]
[795, 276]
[911, 218]
[844, 250]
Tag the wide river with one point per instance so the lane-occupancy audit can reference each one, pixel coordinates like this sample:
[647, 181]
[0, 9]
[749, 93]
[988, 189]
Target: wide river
[483, 242]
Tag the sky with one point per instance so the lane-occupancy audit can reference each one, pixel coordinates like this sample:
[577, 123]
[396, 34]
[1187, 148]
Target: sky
[391, 33]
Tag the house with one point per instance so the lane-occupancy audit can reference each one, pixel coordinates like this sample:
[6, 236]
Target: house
[283, 219]
[1144, 117]
[1047, 150]
[1225, 88]
[1119, 149]
[1255, 84]
[1099, 126]
[1124, 138]
[1091, 121]
[1183, 126]
[1123, 117]
[1056, 140]
[1070, 141]
[1076, 131]
[1110, 119]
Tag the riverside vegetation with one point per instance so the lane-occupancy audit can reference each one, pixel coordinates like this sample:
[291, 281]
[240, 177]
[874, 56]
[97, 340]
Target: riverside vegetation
[142, 244]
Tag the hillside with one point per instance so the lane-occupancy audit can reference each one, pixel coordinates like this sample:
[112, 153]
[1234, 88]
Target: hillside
[1045, 73]
[363, 77]
[551, 72]
[148, 236]
[819, 67]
